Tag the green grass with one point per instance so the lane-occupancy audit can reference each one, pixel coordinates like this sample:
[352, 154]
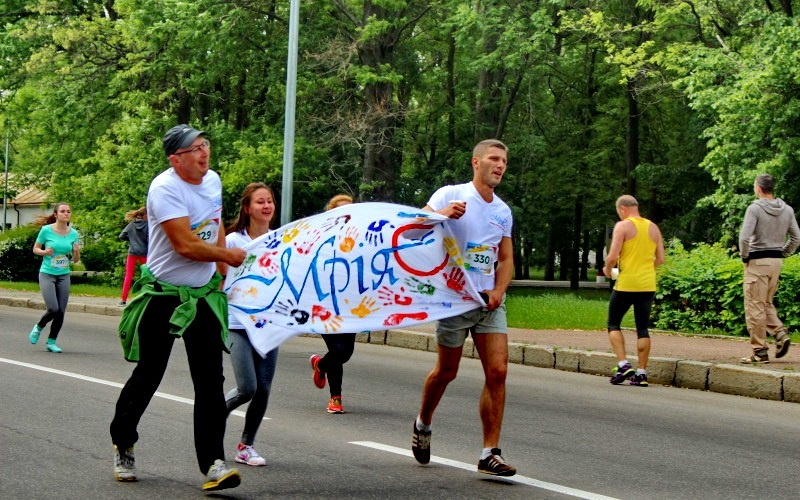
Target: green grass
[559, 311]
[530, 308]
[537, 309]
[76, 289]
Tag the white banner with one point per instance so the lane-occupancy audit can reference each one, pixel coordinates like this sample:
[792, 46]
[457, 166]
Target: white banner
[358, 268]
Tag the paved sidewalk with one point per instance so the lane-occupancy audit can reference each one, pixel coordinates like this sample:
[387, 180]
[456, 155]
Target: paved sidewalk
[695, 362]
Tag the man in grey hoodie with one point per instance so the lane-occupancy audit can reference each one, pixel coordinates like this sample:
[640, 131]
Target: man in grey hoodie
[763, 244]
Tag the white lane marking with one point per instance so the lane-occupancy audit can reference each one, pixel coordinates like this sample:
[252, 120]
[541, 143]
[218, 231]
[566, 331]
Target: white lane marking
[472, 468]
[86, 378]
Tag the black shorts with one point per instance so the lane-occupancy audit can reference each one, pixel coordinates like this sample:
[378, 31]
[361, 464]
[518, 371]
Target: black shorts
[621, 302]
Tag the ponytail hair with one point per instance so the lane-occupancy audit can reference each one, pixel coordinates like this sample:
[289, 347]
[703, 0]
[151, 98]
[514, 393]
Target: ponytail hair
[49, 218]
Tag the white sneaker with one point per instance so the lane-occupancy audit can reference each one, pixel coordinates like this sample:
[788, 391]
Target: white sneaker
[220, 477]
[246, 454]
[124, 464]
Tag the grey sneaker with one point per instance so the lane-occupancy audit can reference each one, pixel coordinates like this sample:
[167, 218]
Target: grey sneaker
[220, 477]
[124, 464]
[782, 346]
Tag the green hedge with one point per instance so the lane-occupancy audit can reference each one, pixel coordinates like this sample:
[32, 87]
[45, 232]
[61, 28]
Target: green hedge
[700, 291]
[17, 260]
[19, 263]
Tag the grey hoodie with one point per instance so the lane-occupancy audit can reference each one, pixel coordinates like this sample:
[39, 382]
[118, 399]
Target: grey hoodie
[766, 224]
[136, 234]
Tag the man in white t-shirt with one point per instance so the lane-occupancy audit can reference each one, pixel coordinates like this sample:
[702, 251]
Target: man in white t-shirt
[481, 223]
[179, 296]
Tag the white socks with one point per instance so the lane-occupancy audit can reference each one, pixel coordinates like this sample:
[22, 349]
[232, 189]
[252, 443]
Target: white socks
[421, 426]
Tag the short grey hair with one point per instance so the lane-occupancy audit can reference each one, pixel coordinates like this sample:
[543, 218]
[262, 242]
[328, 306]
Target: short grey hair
[766, 182]
[627, 200]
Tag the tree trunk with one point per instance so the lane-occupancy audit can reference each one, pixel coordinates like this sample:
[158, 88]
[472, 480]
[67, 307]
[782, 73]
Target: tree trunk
[632, 138]
[550, 258]
[518, 262]
[451, 92]
[575, 251]
[563, 258]
[585, 247]
[379, 166]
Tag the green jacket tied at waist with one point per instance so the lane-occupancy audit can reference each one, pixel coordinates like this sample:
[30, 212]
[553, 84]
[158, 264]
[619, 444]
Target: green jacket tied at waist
[145, 289]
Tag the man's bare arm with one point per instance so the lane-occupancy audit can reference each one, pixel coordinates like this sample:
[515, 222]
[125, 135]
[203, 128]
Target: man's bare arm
[189, 245]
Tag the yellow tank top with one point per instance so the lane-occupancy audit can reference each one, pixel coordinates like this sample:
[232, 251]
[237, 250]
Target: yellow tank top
[637, 270]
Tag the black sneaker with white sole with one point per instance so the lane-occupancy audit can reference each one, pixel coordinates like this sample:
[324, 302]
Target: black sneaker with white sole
[495, 465]
[421, 444]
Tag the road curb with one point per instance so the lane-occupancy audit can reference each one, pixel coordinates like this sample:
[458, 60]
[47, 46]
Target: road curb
[689, 374]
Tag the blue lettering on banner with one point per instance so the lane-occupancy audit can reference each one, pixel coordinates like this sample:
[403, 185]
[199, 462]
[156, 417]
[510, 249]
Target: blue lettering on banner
[329, 276]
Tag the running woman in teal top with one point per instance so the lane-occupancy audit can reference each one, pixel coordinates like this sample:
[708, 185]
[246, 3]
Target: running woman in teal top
[57, 243]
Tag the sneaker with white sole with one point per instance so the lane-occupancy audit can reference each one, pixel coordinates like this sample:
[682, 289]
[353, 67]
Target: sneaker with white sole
[124, 464]
[421, 444]
[246, 454]
[34, 335]
[220, 477]
[495, 465]
[52, 347]
[335, 405]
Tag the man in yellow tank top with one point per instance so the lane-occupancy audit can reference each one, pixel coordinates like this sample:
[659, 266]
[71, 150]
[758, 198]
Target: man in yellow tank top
[637, 248]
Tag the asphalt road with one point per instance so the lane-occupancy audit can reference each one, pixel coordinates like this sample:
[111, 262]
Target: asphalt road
[569, 435]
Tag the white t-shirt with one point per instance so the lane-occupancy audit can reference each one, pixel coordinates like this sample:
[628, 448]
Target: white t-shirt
[478, 232]
[236, 240]
[170, 197]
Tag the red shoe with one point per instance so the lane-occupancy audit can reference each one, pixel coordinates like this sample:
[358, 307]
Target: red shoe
[335, 405]
[318, 376]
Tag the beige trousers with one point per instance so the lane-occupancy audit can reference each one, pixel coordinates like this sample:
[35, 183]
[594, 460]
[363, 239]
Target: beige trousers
[760, 285]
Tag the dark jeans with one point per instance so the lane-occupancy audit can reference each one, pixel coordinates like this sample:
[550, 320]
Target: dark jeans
[340, 348]
[621, 302]
[204, 350]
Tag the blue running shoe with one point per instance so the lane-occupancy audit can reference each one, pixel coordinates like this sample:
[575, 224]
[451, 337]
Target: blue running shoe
[34, 336]
[52, 347]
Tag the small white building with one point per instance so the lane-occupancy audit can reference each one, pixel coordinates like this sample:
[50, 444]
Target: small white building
[25, 207]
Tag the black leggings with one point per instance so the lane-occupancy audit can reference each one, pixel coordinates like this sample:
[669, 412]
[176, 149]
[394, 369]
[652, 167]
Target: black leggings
[340, 348]
[621, 302]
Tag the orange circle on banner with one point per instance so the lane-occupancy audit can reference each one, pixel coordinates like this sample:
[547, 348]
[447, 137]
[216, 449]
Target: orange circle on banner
[401, 263]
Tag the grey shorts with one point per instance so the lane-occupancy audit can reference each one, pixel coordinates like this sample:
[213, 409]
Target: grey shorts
[452, 332]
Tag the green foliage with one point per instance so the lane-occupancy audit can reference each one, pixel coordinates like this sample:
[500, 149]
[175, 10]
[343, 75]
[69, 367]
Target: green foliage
[393, 94]
[740, 74]
[102, 256]
[701, 290]
[17, 260]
